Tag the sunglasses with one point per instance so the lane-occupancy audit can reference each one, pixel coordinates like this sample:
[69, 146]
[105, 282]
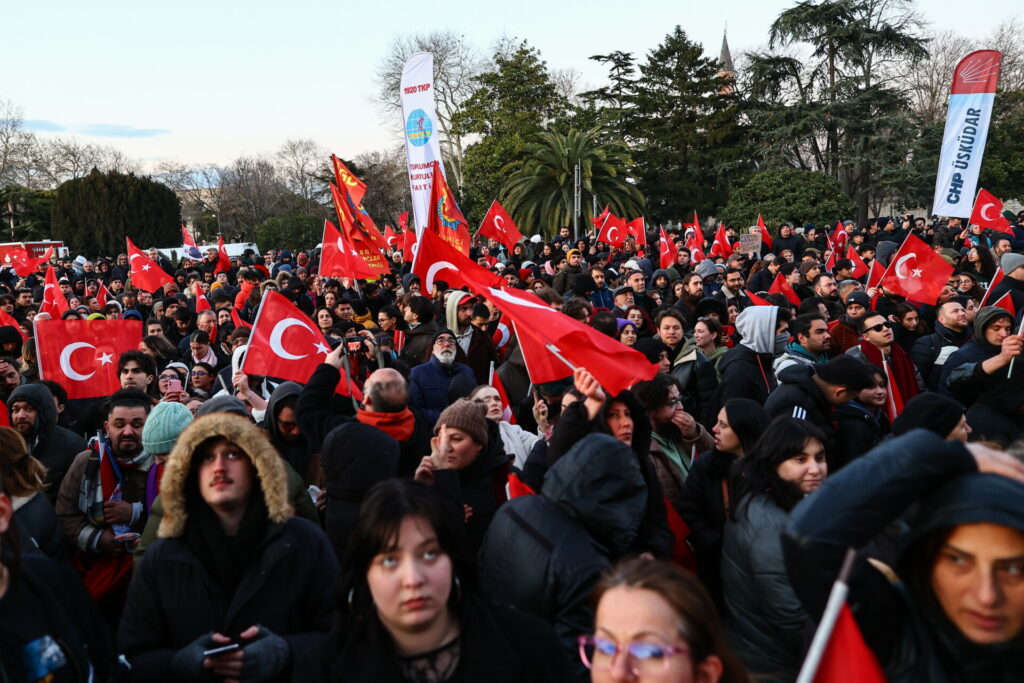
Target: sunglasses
[879, 327]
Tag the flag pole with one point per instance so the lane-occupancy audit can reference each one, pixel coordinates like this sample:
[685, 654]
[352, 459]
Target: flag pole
[836, 600]
[558, 354]
[1020, 331]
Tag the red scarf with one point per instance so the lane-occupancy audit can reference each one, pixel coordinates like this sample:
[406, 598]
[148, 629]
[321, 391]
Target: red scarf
[901, 365]
[398, 426]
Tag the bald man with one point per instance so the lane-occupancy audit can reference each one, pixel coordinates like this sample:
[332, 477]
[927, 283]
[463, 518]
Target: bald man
[385, 407]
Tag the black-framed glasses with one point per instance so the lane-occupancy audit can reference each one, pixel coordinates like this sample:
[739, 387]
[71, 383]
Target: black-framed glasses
[168, 377]
[879, 327]
[646, 659]
[199, 373]
[446, 341]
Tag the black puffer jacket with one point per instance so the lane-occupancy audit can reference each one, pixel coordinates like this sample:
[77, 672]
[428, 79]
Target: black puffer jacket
[902, 623]
[295, 451]
[857, 432]
[585, 517]
[39, 528]
[50, 443]
[354, 457]
[572, 426]
[704, 511]
[798, 396]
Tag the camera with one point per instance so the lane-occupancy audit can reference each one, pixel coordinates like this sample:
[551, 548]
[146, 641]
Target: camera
[353, 344]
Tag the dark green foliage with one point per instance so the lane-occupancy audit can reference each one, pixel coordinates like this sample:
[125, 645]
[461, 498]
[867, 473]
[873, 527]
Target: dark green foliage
[30, 210]
[788, 194]
[290, 232]
[94, 213]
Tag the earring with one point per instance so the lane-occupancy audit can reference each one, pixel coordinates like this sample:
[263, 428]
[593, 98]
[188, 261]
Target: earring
[351, 596]
[458, 589]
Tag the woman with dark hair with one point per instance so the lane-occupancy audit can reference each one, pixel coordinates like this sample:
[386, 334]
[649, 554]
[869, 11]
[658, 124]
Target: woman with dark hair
[627, 331]
[325, 320]
[979, 263]
[956, 612]
[24, 478]
[516, 441]
[908, 326]
[639, 317]
[710, 338]
[697, 379]
[409, 609]
[861, 423]
[664, 619]
[675, 436]
[389, 319]
[767, 624]
[160, 348]
[706, 497]
[418, 312]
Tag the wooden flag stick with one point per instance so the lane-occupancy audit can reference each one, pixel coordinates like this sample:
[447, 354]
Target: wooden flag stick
[836, 600]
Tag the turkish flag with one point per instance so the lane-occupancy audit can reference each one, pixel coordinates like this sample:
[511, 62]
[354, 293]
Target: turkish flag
[499, 226]
[444, 218]
[758, 301]
[782, 286]
[285, 344]
[839, 238]
[860, 268]
[997, 277]
[357, 239]
[696, 250]
[988, 212]
[667, 250]
[506, 408]
[439, 260]
[347, 181]
[638, 230]
[54, 301]
[338, 259]
[847, 657]
[81, 355]
[721, 246]
[517, 487]
[103, 295]
[917, 272]
[766, 236]
[409, 243]
[875, 273]
[7, 321]
[237, 319]
[599, 219]
[1005, 302]
[223, 262]
[546, 336]
[144, 273]
[390, 236]
[23, 264]
[189, 247]
[403, 221]
[202, 303]
[698, 233]
[613, 231]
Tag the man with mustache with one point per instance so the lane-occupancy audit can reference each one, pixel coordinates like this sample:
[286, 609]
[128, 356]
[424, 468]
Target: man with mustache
[100, 503]
[430, 381]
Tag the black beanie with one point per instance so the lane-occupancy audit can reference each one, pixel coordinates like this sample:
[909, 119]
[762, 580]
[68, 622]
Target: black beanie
[935, 412]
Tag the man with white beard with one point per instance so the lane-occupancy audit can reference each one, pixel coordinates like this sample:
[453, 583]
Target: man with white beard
[429, 382]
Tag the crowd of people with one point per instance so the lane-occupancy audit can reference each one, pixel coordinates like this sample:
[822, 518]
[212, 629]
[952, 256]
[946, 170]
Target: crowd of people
[463, 523]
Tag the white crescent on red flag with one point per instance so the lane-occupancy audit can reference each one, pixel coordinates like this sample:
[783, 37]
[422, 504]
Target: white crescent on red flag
[499, 226]
[390, 236]
[875, 273]
[988, 212]
[439, 260]
[145, 274]
[637, 229]
[721, 246]
[917, 272]
[103, 295]
[54, 301]
[613, 231]
[666, 250]
[81, 355]
[284, 343]
[223, 262]
[860, 269]
[339, 259]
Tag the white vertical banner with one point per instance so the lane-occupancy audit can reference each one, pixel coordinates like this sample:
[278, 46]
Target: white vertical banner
[963, 144]
[421, 131]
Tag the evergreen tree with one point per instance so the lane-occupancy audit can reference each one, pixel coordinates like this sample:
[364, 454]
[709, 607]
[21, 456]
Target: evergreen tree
[94, 213]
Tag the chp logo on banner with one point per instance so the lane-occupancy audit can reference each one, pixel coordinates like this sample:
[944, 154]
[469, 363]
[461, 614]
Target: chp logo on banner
[81, 355]
[963, 143]
[284, 344]
[422, 147]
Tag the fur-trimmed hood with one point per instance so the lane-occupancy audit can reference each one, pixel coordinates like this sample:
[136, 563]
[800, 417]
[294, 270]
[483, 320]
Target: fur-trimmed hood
[272, 476]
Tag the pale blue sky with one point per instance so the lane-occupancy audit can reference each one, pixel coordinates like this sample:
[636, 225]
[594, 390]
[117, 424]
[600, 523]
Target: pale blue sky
[208, 81]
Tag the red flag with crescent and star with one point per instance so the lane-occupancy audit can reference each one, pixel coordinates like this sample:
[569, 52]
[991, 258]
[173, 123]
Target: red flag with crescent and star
[54, 301]
[637, 229]
[721, 246]
[285, 344]
[988, 212]
[860, 269]
[23, 264]
[666, 250]
[445, 219]
[391, 237]
[839, 238]
[600, 218]
[917, 272]
[997, 277]
[81, 355]
[613, 231]
[223, 262]
[103, 295]
[439, 260]
[144, 273]
[403, 221]
[499, 226]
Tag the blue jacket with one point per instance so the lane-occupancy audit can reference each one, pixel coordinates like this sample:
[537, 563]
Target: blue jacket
[603, 298]
[429, 385]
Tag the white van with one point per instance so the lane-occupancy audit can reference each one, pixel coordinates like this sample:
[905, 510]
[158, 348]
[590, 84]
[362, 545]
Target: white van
[234, 249]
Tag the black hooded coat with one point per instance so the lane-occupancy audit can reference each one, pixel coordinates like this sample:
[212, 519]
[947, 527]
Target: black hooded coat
[51, 444]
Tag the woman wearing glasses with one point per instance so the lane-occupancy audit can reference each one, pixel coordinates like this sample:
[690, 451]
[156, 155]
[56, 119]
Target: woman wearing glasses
[655, 622]
[409, 608]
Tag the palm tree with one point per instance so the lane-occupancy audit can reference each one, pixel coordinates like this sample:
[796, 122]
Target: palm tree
[539, 190]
